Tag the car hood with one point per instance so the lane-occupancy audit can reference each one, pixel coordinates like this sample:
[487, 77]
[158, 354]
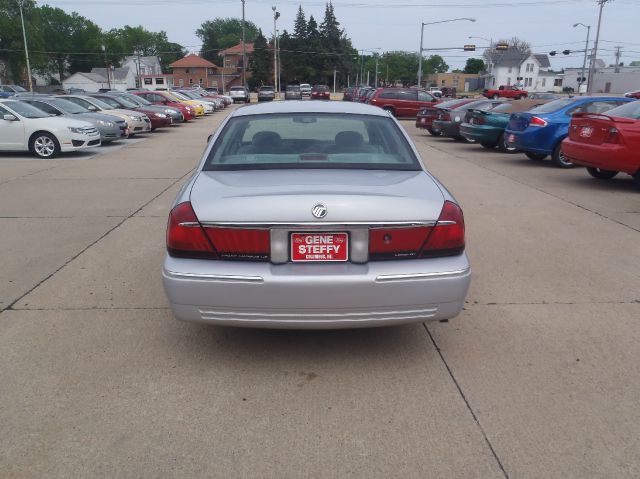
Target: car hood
[59, 121]
[289, 195]
[93, 117]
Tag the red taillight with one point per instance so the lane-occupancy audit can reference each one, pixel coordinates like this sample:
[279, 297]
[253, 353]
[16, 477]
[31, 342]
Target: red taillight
[447, 237]
[240, 243]
[185, 236]
[535, 121]
[478, 120]
[612, 136]
[388, 243]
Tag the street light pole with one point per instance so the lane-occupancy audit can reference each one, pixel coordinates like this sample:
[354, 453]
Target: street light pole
[592, 64]
[376, 80]
[26, 49]
[584, 61]
[244, 51]
[489, 57]
[422, 36]
[106, 66]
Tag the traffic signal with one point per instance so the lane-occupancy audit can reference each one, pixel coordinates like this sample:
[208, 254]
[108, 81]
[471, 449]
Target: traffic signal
[469, 48]
[502, 46]
[566, 52]
[553, 53]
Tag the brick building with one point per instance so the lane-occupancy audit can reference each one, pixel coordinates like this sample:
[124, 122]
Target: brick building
[193, 70]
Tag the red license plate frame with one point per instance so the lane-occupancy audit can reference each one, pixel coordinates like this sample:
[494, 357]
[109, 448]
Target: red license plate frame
[319, 247]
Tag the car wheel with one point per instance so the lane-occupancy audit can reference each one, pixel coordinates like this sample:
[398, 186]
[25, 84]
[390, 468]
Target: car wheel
[636, 179]
[536, 156]
[559, 159]
[433, 132]
[390, 110]
[519, 97]
[496, 96]
[44, 145]
[601, 174]
[463, 139]
[488, 146]
[504, 147]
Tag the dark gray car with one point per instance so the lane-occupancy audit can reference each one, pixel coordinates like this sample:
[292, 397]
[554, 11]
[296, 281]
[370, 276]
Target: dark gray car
[293, 92]
[110, 127]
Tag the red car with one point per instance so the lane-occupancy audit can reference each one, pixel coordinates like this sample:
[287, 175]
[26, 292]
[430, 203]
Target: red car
[158, 120]
[320, 92]
[505, 91]
[606, 144]
[158, 98]
[402, 102]
[633, 94]
[426, 116]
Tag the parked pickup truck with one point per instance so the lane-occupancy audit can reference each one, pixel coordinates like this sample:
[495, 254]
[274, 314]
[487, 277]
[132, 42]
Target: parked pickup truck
[505, 91]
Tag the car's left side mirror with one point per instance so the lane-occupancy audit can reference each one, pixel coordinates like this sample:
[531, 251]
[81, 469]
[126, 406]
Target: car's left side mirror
[209, 138]
[9, 117]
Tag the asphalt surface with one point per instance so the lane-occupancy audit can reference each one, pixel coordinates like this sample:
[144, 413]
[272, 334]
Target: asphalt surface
[539, 377]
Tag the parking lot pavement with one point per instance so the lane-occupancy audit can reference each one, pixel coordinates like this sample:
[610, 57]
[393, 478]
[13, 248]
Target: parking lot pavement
[538, 377]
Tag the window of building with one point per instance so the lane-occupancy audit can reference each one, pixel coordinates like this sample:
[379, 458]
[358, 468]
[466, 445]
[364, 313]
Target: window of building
[181, 82]
[557, 82]
[544, 82]
[148, 81]
[186, 70]
[443, 82]
[160, 81]
[190, 81]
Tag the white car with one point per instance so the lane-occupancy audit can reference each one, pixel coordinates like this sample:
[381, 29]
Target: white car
[239, 94]
[26, 128]
[305, 89]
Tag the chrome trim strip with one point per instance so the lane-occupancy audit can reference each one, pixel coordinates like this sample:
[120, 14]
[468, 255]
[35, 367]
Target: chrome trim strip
[447, 223]
[189, 224]
[411, 276]
[215, 277]
[304, 224]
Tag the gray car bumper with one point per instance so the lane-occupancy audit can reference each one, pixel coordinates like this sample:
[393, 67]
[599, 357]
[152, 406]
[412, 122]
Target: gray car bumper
[316, 296]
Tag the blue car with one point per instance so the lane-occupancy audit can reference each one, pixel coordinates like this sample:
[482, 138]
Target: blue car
[539, 132]
[9, 90]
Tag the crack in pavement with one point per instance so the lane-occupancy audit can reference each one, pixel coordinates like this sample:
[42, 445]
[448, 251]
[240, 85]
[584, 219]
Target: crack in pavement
[500, 173]
[10, 306]
[466, 401]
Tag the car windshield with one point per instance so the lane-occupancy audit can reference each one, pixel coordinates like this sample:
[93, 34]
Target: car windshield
[180, 95]
[188, 94]
[553, 106]
[111, 102]
[311, 141]
[26, 110]
[18, 88]
[628, 110]
[99, 103]
[67, 106]
[138, 100]
[126, 102]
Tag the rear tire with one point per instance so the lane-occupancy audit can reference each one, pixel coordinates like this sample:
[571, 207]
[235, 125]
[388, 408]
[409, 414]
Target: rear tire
[558, 158]
[601, 174]
[504, 147]
[496, 96]
[536, 156]
[488, 146]
[390, 110]
[636, 179]
[433, 132]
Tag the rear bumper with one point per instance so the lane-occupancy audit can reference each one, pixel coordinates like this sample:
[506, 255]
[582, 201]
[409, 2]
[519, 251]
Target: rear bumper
[425, 122]
[448, 128]
[481, 133]
[530, 140]
[316, 296]
[610, 157]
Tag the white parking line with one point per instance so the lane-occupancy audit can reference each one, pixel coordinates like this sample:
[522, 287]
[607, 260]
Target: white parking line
[75, 155]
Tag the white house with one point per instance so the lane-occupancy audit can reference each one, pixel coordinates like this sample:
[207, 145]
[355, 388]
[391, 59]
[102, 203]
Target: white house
[529, 71]
[119, 79]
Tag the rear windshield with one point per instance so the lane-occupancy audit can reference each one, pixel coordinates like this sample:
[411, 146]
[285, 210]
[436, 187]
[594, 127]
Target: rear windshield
[447, 104]
[503, 108]
[476, 105]
[293, 88]
[237, 88]
[553, 106]
[311, 141]
[628, 110]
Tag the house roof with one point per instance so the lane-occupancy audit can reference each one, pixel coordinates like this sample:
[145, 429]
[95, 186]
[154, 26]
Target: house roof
[543, 59]
[116, 74]
[510, 58]
[193, 61]
[237, 49]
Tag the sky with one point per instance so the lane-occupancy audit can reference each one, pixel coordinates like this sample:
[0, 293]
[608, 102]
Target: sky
[395, 25]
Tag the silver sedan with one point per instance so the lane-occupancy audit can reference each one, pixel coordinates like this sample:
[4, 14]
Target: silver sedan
[314, 215]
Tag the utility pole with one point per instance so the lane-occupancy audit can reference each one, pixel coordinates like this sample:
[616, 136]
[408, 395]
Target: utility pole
[26, 49]
[106, 66]
[592, 64]
[376, 80]
[334, 80]
[244, 52]
[275, 51]
[618, 55]
[279, 62]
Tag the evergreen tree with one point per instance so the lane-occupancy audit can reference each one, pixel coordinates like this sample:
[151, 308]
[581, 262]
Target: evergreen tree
[300, 25]
[260, 63]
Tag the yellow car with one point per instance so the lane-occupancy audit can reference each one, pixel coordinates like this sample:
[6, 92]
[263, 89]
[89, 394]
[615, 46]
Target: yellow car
[198, 106]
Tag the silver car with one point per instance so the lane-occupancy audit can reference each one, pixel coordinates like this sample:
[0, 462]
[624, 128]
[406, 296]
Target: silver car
[293, 93]
[314, 215]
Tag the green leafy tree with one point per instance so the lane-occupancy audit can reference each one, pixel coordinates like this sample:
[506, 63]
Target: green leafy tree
[12, 57]
[474, 65]
[434, 64]
[222, 33]
[260, 63]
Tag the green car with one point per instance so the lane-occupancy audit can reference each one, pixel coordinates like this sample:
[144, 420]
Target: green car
[487, 127]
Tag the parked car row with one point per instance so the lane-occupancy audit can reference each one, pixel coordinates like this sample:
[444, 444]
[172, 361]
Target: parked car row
[601, 133]
[47, 125]
[400, 102]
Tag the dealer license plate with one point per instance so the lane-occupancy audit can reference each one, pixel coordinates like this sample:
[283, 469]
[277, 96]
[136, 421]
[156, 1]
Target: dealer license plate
[512, 138]
[586, 132]
[310, 247]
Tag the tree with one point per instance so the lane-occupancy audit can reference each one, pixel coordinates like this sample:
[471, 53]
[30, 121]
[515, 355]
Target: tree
[474, 65]
[300, 25]
[434, 64]
[260, 63]
[221, 33]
